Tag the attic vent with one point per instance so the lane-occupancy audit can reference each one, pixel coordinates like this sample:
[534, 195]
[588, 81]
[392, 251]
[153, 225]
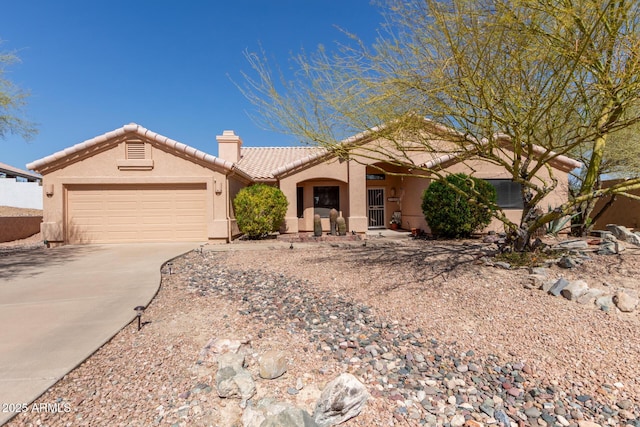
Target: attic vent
[135, 150]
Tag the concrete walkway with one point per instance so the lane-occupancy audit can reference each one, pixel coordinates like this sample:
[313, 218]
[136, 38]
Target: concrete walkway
[58, 306]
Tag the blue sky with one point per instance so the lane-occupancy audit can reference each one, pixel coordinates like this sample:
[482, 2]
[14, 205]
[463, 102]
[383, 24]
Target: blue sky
[94, 66]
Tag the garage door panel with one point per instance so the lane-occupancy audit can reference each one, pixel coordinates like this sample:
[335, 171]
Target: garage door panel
[136, 213]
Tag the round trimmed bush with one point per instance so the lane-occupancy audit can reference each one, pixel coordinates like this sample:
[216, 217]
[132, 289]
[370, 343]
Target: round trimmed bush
[451, 214]
[260, 210]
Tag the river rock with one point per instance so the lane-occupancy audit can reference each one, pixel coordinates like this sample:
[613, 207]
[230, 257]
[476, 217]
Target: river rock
[342, 399]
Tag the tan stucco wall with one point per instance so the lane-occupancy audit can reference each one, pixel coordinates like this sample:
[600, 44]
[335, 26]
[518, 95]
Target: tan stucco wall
[624, 211]
[402, 193]
[485, 170]
[332, 173]
[234, 186]
[18, 227]
[102, 168]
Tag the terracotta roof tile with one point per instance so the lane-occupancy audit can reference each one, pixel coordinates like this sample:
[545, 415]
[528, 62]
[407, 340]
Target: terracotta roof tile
[137, 129]
[262, 162]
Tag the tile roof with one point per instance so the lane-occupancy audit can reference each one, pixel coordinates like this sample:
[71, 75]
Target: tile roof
[11, 171]
[141, 131]
[262, 162]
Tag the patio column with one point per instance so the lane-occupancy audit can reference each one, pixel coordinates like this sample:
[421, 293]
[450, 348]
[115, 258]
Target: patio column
[357, 220]
[288, 187]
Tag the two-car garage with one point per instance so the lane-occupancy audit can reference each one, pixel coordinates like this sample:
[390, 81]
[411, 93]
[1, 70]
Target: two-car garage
[121, 213]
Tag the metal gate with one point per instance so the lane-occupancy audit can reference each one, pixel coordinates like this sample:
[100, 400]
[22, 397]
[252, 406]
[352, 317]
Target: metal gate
[375, 207]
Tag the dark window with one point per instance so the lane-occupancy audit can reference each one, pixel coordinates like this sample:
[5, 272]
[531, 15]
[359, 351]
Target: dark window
[300, 201]
[325, 199]
[509, 193]
[376, 177]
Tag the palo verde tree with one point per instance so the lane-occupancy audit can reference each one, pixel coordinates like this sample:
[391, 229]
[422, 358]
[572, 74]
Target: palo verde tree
[518, 83]
[12, 100]
[620, 160]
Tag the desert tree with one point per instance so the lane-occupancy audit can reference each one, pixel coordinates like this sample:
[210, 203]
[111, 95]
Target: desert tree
[12, 101]
[518, 83]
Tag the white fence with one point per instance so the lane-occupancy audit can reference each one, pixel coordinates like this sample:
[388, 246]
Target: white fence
[20, 194]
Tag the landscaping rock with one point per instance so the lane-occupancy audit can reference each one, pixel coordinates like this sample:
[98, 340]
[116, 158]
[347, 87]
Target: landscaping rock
[273, 364]
[625, 302]
[539, 271]
[590, 296]
[291, 417]
[624, 234]
[232, 380]
[503, 265]
[342, 399]
[610, 248]
[605, 303]
[567, 262]
[536, 281]
[576, 244]
[558, 286]
[574, 290]
[255, 414]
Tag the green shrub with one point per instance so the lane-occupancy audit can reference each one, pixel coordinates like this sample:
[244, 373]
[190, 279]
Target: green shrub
[450, 214]
[260, 210]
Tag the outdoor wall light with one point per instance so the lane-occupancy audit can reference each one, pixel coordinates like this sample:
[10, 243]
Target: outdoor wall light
[48, 190]
[218, 186]
[139, 309]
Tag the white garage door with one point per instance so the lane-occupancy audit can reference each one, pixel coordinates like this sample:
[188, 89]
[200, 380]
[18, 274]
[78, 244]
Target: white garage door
[136, 213]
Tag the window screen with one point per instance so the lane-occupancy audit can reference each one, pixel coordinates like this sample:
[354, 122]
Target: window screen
[509, 193]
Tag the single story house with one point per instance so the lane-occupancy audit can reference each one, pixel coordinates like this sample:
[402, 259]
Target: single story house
[134, 185]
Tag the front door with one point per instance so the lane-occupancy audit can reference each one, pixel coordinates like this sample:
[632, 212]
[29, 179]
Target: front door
[375, 207]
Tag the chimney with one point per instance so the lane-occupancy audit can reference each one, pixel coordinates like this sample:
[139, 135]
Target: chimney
[229, 146]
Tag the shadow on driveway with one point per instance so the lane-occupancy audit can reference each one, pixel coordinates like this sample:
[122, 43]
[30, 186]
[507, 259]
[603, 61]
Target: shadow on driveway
[32, 261]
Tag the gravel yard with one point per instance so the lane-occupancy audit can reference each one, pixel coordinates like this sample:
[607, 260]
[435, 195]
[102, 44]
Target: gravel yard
[437, 337]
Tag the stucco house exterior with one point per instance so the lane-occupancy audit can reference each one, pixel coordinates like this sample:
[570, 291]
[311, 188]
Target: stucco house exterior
[134, 185]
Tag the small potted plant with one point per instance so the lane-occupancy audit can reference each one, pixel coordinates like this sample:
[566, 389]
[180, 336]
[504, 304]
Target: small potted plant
[396, 220]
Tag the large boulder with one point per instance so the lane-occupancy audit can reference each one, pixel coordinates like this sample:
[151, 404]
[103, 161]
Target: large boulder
[342, 399]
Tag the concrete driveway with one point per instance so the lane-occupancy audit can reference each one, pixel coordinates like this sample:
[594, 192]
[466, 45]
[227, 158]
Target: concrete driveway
[58, 306]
